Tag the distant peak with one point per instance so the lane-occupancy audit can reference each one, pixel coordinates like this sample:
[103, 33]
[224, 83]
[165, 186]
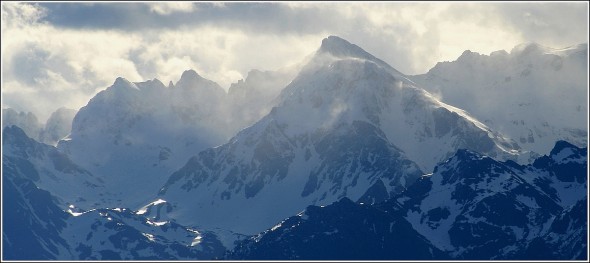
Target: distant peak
[344, 201]
[339, 47]
[190, 74]
[528, 48]
[560, 146]
[154, 81]
[467, 155]
[122, 83]
[467, 52]
[188, 78]
[468, 55]
[332, 41]
[499, 53]
[13, 130]
[191, 80]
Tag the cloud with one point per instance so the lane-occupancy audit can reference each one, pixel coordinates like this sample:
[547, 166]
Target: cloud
[554, 24]
[73, 50]
[45, 68]
[166, 8]
[18, 14]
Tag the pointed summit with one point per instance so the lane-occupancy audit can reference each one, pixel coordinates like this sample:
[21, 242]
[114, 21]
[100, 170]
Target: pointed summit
[122, 84]
[339, 47]
[120, 81]
[190, 74]
[188, 78]
[191, 79]
[560, 146]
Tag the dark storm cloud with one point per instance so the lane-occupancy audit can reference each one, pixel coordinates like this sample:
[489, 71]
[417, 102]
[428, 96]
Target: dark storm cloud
[255, 17]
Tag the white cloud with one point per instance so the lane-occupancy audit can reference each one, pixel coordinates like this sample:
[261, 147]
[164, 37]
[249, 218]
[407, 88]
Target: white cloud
[19, 14]
[44, 68]
[167, 8]
[222, 55]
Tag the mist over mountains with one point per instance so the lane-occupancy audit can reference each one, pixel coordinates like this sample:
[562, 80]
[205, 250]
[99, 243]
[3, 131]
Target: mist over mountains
[481, 158]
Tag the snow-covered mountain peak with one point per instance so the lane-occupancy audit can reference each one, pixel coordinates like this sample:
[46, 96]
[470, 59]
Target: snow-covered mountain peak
[122, 83]
[464, 154]
[150, 84]
[26, 121]
[564, 152]
[528, 48]
[332, 91]
[190, 79]
[189, 74]
[339, 47]
[469, 56]
[523, 94]
[560, 146]
[532, 49]
[147, 129]
[335, 48]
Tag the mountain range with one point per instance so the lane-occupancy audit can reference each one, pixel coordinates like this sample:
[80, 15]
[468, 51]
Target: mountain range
[342, 149]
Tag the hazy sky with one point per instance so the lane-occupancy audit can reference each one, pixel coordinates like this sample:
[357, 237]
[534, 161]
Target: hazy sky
[61, 54]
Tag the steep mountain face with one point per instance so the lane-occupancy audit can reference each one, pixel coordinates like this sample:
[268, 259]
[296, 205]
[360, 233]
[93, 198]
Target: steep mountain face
[31, 219]
[347, 123]
[524, 94]
[475, 207]
[132, 135]
[48, 168]
[258, 170]
[343, 83]
[343, 230]
[347, 140]
[472, 207]
[58, 126]
[36, 227]
[566, 238]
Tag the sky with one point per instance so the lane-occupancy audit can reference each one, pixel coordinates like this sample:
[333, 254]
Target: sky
[61, 54]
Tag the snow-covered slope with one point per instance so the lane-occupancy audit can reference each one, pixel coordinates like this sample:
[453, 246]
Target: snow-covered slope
[471, 207]
[36, 227]
[121, 234]
[347, 123]
[31, 219]
[49, 169]
[534, 94]
[132, 135]
[339, 86]
[475, 207]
